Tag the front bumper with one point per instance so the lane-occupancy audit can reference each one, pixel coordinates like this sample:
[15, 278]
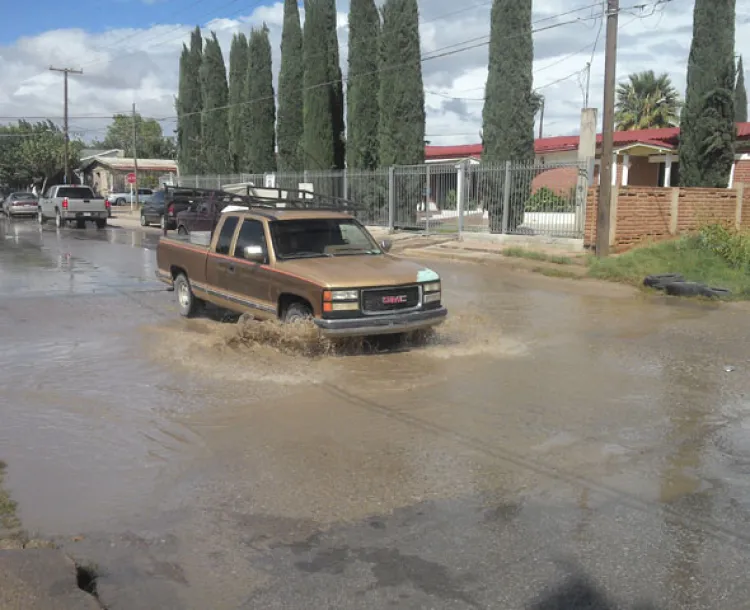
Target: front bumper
[382, 325]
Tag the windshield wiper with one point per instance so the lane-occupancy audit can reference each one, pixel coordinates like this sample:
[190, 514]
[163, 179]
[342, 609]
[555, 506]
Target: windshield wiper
[307, 255]
[353, 251]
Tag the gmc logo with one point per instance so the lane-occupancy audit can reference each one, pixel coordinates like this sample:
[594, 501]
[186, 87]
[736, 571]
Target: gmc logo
[394, 300]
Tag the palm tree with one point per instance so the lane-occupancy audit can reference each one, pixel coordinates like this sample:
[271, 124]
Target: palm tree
[647, 101]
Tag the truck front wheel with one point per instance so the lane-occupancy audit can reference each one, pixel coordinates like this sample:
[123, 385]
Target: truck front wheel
[186, 300]
[297, 312]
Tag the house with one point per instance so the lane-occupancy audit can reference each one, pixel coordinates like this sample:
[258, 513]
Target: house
[107, 173]
[646, 157]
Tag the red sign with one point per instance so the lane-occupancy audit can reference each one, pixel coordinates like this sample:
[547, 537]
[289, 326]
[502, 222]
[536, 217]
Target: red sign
[131, 178]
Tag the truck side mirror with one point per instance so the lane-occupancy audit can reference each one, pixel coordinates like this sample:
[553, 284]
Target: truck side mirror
[386, 245]
[254, 254]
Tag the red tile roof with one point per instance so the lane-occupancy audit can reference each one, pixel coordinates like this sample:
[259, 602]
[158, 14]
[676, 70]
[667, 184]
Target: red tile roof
[656, 137]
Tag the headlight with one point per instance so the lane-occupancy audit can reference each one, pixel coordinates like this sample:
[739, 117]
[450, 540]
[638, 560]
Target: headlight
[432, 287]
[344, 295]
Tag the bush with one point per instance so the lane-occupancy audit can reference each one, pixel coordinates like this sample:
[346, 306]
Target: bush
[546, 200]
[733, 246]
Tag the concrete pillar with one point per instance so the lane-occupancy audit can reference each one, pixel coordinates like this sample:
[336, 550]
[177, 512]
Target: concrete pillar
[674, 211]
[614, 169]
[625, 169]
[668, 170]
[586, 157]
[740, 192]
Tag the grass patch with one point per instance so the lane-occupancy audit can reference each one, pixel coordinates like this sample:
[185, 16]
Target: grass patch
[554, 272]
[8, 519]
[535, 255]
[699, 258]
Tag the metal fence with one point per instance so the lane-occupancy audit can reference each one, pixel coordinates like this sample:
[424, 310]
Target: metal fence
[448, 198]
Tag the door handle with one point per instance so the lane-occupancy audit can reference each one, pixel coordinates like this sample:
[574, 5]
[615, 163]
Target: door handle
[230, 268]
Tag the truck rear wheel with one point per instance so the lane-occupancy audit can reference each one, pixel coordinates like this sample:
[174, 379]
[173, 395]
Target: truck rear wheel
[101, 223]
[186, 300]
[59, 222]
[80, 224]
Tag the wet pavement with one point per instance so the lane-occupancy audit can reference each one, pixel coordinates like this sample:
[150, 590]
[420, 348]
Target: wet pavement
[557, 443]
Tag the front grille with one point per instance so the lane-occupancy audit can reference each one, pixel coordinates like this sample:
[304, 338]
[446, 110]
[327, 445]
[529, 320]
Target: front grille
[383, 300]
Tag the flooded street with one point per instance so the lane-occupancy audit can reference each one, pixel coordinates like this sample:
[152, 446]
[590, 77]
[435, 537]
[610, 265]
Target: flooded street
[552, 430]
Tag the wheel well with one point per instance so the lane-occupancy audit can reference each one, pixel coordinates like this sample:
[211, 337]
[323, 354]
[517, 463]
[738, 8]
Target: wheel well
[286, 299]
[174, 270]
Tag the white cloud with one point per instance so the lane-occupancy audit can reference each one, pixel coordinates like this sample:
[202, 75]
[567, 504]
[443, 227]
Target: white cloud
[122, 66]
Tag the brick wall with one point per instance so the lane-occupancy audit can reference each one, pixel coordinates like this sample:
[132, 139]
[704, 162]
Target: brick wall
[642, 213]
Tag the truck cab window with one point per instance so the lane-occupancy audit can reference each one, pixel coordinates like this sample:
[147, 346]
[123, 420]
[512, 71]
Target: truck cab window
[227, 233]
[251, 234]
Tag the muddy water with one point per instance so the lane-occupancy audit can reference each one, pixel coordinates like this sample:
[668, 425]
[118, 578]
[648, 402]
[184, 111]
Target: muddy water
[216, 463]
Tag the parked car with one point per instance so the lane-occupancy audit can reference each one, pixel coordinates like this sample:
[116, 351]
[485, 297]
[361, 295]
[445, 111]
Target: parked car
[294, 264]
[164, 205]
[203, 214]
[65, 203]
[144, 195]
[20, 204]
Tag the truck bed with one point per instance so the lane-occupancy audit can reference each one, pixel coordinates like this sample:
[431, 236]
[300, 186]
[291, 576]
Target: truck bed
[180, 253]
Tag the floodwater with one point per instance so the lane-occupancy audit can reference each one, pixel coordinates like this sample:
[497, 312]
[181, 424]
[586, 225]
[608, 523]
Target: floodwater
[554, 444]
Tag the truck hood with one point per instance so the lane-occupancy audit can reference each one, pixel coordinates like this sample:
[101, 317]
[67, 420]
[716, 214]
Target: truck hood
[360, 271]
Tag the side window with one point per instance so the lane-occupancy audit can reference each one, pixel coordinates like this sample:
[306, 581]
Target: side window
[251, 234]
[226, 235]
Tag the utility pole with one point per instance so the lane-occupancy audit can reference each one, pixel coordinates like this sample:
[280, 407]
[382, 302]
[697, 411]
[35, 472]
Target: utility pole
[541, 119]
[608, 127]
[135, 160]
[588, 85]
[65, 72]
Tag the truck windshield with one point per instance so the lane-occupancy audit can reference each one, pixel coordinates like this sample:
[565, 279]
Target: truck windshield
[308, 238]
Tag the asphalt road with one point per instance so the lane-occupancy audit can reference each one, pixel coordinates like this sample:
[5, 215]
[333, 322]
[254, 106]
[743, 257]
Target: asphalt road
[559, 445]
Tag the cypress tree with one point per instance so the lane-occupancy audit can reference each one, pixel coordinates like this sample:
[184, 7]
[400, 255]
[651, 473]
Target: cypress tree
[189, 106]
[509, 102]
[363, 86]
[318, 137]
[261, 105]
[291, 76]
[402, 113]
[707, 129]
[238, 60]
[740, 95]
[215, 116]
[336, 85]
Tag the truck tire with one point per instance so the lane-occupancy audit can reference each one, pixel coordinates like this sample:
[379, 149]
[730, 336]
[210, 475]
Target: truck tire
[59, 222]
[40, 217]
[659, 281]
[297, 312]
[186, 300]
[181, 230]
[101, 223]
[163, 222]
[144, 222]
[120, 201]
[80, 224]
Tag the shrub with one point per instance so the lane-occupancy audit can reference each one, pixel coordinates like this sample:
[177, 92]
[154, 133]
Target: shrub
[546, 200]
[733, 246]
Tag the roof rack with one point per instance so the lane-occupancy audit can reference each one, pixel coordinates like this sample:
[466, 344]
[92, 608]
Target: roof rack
[273, 197]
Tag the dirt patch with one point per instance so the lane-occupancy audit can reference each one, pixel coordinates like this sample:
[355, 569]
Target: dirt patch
[8, 520]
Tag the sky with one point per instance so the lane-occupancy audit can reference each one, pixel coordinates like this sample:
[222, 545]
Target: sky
[129, 53]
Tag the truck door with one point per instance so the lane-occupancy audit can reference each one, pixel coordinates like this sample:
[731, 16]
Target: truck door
[218, 260]
[247, 280]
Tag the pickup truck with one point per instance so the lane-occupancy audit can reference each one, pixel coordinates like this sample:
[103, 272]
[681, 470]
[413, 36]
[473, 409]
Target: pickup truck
[66, 203]
[296, 264]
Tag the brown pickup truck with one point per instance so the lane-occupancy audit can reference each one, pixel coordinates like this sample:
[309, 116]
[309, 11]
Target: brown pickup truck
[292, 264]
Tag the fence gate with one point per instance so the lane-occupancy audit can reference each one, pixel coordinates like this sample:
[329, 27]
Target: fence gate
[425, 198]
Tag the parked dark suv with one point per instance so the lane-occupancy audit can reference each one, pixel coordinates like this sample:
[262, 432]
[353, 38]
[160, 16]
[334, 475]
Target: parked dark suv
[165, 204]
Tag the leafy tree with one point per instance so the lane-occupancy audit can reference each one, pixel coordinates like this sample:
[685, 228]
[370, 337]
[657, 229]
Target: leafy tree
[647, 101]
[151, 142]
[740, 95]
[708, 130]
[363, 86]
[238, 60]
[402, 113]
[510, 104]
[34, 153]
[318, 138]
[189, 105]
[290, 126]
[260, 111]
[215, 121]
